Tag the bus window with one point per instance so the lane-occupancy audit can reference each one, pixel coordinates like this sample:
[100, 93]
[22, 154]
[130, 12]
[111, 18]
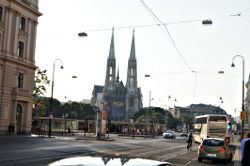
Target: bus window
[217, 119]
[201, 120]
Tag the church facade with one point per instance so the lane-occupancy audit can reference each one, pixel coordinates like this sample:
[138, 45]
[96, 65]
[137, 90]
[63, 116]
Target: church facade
[119, 101]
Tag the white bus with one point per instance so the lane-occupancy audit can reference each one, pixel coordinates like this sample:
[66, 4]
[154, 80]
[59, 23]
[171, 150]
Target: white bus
[210, 126]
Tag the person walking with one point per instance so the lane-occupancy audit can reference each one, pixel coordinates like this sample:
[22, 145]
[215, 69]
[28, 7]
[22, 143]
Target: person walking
[190, 141]
[245, 151]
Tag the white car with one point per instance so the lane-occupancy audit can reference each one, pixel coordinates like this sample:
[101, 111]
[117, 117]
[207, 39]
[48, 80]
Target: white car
[169, 134]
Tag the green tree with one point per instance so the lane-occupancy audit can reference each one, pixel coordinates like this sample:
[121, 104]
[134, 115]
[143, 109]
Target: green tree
[40, 83]
[152, 115]
[41, 80]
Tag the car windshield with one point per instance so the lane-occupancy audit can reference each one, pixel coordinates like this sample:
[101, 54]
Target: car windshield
[213, 142]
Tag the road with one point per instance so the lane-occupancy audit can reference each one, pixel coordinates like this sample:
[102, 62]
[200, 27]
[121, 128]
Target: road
[43, 150]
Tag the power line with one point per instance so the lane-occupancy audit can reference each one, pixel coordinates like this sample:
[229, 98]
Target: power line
[168, 33]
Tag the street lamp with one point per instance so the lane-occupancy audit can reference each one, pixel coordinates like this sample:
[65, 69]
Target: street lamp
[207, 22]
[52, 90]
[243, 89]
[149, 97]
[82, 34]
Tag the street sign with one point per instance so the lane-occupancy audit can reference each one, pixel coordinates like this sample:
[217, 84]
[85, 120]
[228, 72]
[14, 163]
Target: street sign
[243, 115]
[103, 115]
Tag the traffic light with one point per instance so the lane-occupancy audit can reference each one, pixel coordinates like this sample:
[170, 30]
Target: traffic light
[229, 125]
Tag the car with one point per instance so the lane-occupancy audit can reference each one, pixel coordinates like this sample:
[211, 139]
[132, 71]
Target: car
[215, 149]
[107, 161]
[169, 134]
[184, 134]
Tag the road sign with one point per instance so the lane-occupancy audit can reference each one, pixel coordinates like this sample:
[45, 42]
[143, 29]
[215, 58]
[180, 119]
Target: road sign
[243, 115]
[103, 115]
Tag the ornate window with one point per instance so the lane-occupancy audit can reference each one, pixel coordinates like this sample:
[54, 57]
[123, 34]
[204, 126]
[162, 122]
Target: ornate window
[22, 23]
[20, 50]
[131, 102]
[20, 80]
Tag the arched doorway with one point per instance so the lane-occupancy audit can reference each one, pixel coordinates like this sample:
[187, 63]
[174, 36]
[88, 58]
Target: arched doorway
[19, 112]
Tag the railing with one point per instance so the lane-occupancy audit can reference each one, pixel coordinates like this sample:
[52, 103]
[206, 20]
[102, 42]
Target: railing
[22, 91]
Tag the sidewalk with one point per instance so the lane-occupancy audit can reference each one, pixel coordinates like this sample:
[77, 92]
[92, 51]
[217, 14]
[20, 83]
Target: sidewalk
[237, 154]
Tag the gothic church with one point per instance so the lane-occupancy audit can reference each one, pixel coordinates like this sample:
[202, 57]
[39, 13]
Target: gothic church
[122, 101]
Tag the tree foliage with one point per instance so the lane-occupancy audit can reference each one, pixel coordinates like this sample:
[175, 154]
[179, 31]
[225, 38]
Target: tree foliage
[41, 80]
[71, 110]
[152, 115]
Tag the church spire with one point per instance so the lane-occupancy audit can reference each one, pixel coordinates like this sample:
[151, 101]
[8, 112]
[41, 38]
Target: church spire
[112, 46]
[111, 66]
[132, 51]
[132, 66]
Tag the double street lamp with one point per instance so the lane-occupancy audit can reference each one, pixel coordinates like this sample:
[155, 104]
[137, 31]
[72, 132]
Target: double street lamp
[243, 88]
[51, 98]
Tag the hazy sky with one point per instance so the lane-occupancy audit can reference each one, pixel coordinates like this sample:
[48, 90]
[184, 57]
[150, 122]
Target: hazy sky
[205, 50]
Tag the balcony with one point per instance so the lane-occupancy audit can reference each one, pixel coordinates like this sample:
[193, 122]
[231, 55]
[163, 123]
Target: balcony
[22, 92]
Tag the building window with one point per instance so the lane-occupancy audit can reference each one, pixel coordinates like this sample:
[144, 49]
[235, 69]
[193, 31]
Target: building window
[1, 13]
[131, 102]
[23, 23]
[20, 50]
[20, 80]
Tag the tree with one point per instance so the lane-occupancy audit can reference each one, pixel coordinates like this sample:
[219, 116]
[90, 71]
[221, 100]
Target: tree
[41, 80]
[152, 115]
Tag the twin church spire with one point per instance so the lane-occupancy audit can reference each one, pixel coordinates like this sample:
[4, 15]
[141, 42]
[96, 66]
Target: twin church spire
[111, 67]
[124, 100]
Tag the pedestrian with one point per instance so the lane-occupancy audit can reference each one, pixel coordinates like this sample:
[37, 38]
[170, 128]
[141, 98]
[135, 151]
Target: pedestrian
[69, 129]
[9, 129]
[190, 141]
[245, 151]
[12, 129]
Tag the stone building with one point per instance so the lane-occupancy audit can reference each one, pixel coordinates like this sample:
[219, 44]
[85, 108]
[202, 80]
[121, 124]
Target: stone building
[18, 26]
[195, 109]
[120, 101]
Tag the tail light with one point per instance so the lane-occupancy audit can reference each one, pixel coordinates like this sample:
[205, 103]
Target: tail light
[201, 149]
[223, 149]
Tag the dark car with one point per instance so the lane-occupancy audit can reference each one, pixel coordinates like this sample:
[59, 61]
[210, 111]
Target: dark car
[215, 149]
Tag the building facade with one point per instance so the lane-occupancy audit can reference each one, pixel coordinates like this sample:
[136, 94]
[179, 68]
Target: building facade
[120, 101]
[195, 110]
[18, 26]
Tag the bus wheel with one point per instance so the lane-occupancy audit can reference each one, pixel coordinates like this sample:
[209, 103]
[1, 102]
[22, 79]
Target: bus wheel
[199, 159]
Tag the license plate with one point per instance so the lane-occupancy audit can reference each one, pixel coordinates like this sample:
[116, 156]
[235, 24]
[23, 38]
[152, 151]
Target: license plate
[211, 155]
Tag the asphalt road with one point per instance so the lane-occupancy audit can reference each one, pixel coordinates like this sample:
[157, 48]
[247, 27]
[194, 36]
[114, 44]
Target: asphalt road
[42, 150]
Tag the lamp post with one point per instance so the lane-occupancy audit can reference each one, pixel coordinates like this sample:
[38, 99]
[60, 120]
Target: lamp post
[149, 96]
[149, 105]
[51, 98]
[243, 89]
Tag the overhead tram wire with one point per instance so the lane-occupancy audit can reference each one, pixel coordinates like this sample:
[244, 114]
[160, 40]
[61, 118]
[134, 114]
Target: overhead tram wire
[162, 24]
[169, 35]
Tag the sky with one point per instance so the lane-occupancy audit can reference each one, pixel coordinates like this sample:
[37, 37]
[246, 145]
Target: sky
[182, 58]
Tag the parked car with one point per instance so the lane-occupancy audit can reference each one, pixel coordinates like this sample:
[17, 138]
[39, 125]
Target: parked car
[184, 134]
[169, 134]
[216, 149]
